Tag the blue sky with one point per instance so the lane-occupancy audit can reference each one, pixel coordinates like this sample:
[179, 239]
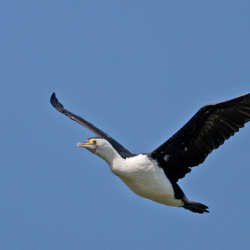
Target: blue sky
[138, 70]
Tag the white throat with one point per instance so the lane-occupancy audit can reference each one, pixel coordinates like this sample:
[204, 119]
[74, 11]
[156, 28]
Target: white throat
[108, 153]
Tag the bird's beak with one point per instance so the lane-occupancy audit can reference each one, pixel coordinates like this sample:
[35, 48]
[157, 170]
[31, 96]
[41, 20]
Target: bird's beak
[92, 148]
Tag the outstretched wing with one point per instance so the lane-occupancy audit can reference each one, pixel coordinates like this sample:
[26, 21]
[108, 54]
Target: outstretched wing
[59, 107]
[204, 132]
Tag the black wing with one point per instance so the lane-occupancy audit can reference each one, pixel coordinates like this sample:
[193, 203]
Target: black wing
[204, 132]
[59, 107]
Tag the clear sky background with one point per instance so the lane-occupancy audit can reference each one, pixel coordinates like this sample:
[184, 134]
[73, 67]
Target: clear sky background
[138, 70]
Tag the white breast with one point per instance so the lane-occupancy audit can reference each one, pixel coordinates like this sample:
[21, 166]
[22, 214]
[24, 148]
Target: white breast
[143, 176]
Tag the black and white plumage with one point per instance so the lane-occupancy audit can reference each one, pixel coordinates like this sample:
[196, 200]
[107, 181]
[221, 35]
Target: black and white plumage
[155, 175]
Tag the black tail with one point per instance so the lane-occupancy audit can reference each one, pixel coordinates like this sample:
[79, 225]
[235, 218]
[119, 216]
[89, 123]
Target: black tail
[195, 207]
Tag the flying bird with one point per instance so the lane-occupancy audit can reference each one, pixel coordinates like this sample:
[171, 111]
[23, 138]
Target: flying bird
[154, 175]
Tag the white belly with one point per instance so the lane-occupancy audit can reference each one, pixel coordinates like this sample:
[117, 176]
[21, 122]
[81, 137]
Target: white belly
[146, 179]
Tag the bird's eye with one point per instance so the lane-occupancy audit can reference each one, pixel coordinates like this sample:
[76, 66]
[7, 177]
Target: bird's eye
[92, 141]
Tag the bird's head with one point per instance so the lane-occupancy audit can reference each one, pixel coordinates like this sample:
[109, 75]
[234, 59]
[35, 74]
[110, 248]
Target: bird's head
[100, 147]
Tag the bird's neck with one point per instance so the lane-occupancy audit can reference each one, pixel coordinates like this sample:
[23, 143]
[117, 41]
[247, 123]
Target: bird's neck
[110, 156]
[114, 160]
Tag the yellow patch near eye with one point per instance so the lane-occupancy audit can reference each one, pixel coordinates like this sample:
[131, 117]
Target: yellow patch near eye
[91, 141]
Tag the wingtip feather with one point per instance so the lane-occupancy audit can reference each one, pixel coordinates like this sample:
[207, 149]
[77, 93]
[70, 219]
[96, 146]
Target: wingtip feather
[55, 103]
[53, 99]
